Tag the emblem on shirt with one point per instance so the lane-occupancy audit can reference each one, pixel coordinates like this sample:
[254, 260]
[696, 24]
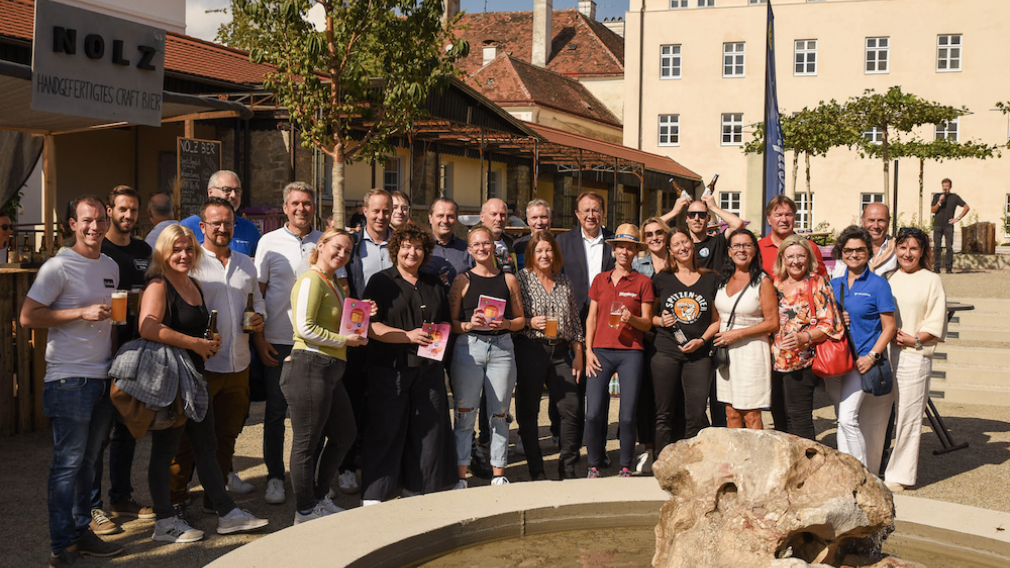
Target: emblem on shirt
[686, 306]
[704, 252]
[109, 283]
[140, 264]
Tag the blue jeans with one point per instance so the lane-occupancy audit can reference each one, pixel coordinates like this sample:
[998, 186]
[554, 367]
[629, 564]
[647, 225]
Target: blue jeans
[627, 363]
[81, 413]
[273, 418]
[483, 363]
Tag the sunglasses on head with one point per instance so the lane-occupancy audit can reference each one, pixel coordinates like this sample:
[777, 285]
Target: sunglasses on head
[911, 231]
[697, 214]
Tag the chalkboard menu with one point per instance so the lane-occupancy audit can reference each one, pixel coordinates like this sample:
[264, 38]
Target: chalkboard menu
[196, 161]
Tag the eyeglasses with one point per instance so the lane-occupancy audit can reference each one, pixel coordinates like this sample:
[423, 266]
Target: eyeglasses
[6, 227]
[860, 251]
[741, 246]
[591, 212]
[697, 214]
[227, 190]
[220, 224]
[659, 233]
[480, 245]
[796, 258]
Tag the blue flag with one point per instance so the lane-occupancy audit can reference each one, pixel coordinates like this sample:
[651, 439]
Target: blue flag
[774, 154]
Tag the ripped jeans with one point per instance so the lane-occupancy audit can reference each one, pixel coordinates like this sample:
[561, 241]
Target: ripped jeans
[483, 362]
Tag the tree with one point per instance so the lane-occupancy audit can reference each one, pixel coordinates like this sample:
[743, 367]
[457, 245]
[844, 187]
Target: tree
[350, 88]
[897, 112]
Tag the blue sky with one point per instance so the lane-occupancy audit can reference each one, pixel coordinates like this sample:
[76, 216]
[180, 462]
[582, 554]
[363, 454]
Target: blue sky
[604, 8]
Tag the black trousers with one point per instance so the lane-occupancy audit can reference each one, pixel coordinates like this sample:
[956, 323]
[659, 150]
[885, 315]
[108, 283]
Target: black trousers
[716, 409]
[408, 442]
[356, 384]
[538, 364]
[164, 447]
[682, 388]
[793, 402]
[945, 233]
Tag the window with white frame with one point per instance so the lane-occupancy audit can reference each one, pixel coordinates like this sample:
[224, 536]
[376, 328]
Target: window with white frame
[732, 129]
[805, 57]
[868, 198]
[804, 210]
[678, 3]
[946, 130]
[445, 180]
[753, 2]
[877, 55]
[948, 52]
[492, 184]
[874, 135]
[391, 175]
[669, 130]
[669, 62]
[733, 59]
[706, 3]
[729, 201]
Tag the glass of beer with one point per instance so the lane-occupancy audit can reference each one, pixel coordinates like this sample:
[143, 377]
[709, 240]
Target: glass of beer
[134, 300]
[616, 309]
[551, 331]
[119, 307]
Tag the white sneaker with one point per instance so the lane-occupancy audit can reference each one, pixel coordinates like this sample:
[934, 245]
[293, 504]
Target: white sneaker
[461, 484]
[174, 529]
[500, 480]
[330, 506]
[644, 463]
[520, 450]
[275, 492]
[348, 483]
[239, 520]
[236, 485]
[317, 512]
[370, 502]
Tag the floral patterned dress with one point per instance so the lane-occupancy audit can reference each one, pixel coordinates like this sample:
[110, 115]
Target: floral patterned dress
[795, 315]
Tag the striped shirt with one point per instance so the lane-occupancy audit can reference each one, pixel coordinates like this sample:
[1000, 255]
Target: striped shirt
[316, 303]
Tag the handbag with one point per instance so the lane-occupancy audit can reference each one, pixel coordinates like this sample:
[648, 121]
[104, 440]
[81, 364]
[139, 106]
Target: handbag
[832, 356]
[720, 356]
[878, 380]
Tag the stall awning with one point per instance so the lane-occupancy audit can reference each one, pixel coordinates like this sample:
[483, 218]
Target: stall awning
[16, 112]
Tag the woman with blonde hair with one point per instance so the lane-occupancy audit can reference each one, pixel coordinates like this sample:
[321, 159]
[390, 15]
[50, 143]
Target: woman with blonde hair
[312, 378]
[654, 231]
[173, 312]
[807, 316]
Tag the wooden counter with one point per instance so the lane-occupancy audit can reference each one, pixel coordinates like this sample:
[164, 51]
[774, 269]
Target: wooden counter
[22, 357]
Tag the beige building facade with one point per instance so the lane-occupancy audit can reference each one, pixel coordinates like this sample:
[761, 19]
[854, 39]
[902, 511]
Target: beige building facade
[694, 91]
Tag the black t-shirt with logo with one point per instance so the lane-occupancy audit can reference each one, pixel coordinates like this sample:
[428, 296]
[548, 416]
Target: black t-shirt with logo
[692, 305]
[133, 260]
[946, 211]
[712, 252]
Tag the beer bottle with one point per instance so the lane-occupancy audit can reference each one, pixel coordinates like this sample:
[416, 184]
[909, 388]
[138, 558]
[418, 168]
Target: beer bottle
[247, 315]
[56, 244]
[211, 332]
[41, 255]
[26, 251]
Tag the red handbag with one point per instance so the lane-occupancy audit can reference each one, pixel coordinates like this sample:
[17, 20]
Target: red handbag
[833, 356]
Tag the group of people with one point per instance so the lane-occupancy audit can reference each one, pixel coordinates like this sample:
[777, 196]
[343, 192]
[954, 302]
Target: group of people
[687, 320]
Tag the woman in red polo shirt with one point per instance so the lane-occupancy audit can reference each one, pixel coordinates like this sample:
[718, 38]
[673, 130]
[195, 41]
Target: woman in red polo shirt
[620, 309]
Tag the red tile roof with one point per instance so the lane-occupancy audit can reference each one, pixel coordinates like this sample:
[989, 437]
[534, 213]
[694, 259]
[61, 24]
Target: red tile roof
[579, 47]
[184, 55]
[652, 162]
[508, 81]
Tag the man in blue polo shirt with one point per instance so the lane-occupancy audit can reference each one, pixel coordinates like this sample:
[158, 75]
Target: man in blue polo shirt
[226, 185]
[450, 256]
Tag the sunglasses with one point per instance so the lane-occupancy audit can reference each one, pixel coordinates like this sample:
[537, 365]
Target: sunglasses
[912, 231]
[696, 214]
[6, 227]
[650, 234]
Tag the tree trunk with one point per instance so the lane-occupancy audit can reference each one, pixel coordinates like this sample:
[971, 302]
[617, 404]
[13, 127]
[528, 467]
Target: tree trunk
[806, 159]
[796, 167]
[337, 187]
[922, 163]
[887, 171]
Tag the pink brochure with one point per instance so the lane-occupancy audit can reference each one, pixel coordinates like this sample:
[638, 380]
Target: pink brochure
[439, 339]
[494, 308]
[355, 317]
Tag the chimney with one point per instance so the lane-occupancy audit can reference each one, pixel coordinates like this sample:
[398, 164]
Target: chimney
[490, 52]
[615, 25]
[543, 16]
[588, 9]
[451, 9]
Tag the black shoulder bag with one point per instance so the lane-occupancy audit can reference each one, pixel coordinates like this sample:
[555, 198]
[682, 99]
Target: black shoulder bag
[878, 380]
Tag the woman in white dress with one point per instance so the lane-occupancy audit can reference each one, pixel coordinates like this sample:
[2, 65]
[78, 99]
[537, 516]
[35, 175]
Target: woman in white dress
[748, 309]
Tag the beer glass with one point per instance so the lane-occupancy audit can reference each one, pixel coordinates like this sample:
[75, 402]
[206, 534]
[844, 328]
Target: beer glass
[616, 309]
[119, 299]
[551, 331]
[134, 300]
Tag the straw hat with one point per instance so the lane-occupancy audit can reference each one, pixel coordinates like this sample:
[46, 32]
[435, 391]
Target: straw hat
[626, 233]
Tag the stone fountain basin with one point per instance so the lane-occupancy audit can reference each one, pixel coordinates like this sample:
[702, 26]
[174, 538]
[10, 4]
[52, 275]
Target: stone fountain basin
[407, 532]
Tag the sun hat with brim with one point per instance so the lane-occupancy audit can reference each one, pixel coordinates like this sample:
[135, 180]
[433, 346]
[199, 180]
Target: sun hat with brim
[626, 233]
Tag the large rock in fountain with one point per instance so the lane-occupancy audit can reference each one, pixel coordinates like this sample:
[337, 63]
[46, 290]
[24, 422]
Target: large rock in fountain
[759, 498]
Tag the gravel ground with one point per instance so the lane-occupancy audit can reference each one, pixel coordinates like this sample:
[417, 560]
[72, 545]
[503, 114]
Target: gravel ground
[974, 476]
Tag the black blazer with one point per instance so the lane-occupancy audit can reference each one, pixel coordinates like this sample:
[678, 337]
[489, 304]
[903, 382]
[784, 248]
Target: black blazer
[576, 267]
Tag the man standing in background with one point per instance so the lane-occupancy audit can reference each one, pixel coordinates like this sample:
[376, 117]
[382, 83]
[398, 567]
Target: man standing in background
[944, 209]
[161, 211]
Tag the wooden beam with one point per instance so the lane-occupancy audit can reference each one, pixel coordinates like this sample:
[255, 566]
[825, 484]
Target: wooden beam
[48, 187]
[203, 116]
[189, 128]
[8, 360]
[91, 128]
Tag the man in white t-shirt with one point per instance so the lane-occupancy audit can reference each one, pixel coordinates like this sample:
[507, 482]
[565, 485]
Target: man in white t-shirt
[71, 296]
[280, 257]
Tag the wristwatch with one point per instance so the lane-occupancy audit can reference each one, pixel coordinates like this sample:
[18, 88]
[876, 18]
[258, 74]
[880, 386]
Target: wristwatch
[876, 356]
[918, 343]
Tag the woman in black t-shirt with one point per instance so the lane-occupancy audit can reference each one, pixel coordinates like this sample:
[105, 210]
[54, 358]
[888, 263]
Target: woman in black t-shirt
[685, 321]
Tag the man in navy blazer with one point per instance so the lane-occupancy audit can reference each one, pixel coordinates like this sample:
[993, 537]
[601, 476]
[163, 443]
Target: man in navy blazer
[585, 248]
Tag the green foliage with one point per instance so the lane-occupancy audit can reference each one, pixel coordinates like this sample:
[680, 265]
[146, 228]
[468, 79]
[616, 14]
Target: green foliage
[12, 206]
[824, 227]
[926, 223]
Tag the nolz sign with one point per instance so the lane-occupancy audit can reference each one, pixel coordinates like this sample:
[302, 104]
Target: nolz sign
[89, 64]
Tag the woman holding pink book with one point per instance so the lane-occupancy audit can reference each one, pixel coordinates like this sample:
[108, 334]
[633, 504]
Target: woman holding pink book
[486, 306]
[312, 379]
[407, 447]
